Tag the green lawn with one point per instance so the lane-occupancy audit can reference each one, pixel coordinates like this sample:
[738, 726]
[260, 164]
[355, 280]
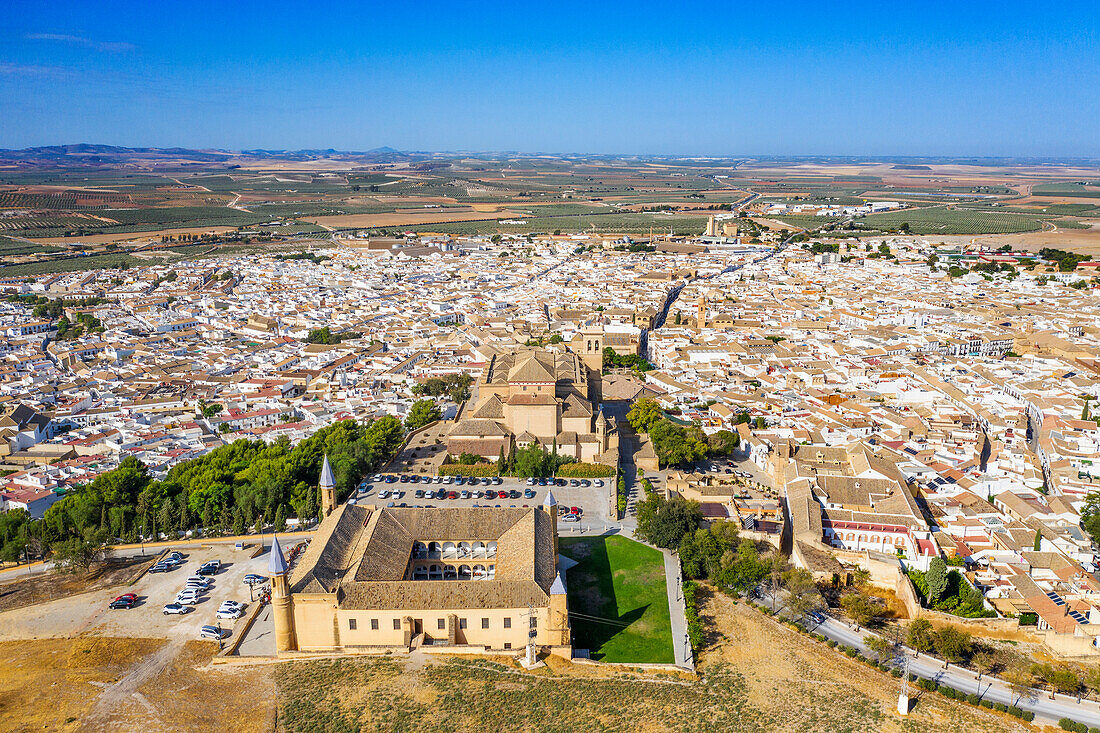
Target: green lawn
[621, 582]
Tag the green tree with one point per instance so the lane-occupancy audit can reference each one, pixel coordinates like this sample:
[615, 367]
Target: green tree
[77, 554]
[643, 414]
[881, 648]
[936, 579]
[533, 462]
[280, 519]
[802, 593]
[951, 644]
[919, 635]
[422, 412]
[723, 442]
[672, 519]
[861, 608]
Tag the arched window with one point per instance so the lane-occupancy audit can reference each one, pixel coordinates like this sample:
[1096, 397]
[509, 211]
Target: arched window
[449, 573]
[479, 549]
[479, 572]
[449, 549]
[464, 572]
[420, 550]
[463, 549]
[491, 549]
[433, 549]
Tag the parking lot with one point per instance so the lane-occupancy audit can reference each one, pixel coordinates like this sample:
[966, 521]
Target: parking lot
[591, 500]
[90, 613]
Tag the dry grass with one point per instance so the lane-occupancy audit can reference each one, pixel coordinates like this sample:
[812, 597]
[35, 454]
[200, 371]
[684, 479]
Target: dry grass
[756, 675]
[59, 685]
[52, 684]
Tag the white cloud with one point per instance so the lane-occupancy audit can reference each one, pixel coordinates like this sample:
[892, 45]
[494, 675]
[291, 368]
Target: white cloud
[104, 46]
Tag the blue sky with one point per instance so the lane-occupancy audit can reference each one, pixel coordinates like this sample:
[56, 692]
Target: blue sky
[821, 78]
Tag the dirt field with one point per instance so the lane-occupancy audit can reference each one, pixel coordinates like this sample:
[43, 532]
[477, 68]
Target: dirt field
[55, 585]
[98, 684]
[427, 216]
[1084, 241]
[132, 236]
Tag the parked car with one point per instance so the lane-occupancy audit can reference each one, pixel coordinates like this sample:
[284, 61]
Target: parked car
[160, 568]
[231, 604]
[452, 494]
[497, 481]
[176, 608]
[230, 613]
[513, 494]
[384, 494]
[448, 479]
[529, 494]
[597, 483]
[419, 494]
[585, 482]
[211, 632]
[121, 603]
[465, 494]
[376, 477]
[253, 579]
[530, 482]
[570, 518]
[574, 482]
[576, 510]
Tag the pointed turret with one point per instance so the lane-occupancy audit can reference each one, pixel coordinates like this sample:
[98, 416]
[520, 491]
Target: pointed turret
[276, 563]
[282, 609]
[550, 506]
[328, 489]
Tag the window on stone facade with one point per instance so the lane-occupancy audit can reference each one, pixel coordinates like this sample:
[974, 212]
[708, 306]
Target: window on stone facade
[397, 624]
[441, 624]
[484, 623]
[507, 623]
[534, 622]
[507, 645]
[351, 624]
[462, 623]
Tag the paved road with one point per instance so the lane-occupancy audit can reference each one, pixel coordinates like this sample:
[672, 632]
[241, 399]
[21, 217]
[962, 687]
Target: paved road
[680, 643]
[989, 688]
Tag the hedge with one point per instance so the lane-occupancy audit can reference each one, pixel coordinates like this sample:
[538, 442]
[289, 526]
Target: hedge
[480, 470]
[1072, 725]
[584, 470]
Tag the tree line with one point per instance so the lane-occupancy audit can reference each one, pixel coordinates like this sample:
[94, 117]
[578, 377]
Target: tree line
[244, 484]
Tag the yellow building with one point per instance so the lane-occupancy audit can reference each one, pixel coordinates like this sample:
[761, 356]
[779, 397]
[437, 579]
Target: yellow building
[475, 579]
[536, 396]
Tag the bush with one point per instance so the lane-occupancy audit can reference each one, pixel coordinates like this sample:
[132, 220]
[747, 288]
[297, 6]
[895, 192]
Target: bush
[851, 651]
[947, 691]
[896, 673]
[584, 470]
[831, 643]
[973, 699]
[1064, 723]
[1000, 707]
[987, 704]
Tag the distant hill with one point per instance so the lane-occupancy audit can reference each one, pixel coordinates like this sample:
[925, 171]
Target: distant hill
[88, 155]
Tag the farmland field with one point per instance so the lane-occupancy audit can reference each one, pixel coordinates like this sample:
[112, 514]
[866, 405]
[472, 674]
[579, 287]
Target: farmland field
[1080, 189]
[939, 220]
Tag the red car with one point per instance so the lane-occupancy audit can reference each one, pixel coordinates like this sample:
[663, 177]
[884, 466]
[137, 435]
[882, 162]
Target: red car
[575, 510]
[127, 597]
[452, 494]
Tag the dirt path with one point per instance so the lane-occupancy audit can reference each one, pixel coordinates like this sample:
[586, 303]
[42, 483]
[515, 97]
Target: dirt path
[121, 696]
